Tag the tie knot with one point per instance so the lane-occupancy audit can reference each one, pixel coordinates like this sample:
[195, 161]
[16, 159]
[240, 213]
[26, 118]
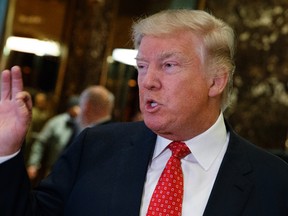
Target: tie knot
[179, 149]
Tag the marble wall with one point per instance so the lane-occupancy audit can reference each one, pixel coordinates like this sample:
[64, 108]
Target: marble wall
[260, 98]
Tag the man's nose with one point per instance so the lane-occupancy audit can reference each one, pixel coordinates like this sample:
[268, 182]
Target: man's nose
[152, 78]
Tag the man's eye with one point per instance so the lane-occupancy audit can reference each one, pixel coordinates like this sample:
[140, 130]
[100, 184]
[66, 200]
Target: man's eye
[169, 65]
[140, 66]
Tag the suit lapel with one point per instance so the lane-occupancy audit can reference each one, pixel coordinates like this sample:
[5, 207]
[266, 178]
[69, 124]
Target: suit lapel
[131, 174]
[232, 186]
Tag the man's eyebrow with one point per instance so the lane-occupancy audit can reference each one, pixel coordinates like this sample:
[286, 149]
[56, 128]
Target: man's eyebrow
[166, 55]
[161, 56]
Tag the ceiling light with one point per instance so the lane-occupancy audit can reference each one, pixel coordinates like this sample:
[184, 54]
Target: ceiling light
[125, 56]
[32, 45]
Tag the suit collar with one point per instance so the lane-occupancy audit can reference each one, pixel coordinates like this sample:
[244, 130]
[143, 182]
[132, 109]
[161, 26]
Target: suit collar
[232, 186]
[131, 172]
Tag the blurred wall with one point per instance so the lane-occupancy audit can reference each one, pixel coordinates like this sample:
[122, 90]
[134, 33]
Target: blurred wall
[260, 107]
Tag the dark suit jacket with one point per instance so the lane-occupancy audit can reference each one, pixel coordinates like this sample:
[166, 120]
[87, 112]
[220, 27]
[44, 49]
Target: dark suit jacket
[103, 173]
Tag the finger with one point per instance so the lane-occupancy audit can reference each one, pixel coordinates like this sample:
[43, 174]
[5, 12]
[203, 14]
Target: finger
[25, 100]
[5, 85]
[16, 81]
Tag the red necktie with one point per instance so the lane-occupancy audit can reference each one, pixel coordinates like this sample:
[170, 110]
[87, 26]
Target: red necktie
[167, 197]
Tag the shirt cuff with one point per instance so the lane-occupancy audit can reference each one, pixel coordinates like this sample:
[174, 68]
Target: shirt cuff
[6, 158]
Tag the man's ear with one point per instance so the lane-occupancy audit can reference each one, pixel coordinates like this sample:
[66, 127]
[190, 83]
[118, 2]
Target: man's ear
[218, 84]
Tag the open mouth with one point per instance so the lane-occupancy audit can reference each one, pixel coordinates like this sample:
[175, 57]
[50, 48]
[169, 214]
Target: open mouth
[151, 104]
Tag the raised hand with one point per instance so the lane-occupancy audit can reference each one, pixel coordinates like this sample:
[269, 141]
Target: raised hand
[15, 111]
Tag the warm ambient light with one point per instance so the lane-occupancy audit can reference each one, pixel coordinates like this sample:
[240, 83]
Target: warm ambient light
[31, 45]
[126, 56]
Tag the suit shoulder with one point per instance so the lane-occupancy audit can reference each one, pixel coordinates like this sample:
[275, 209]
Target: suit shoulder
[259, 157]
[119, 130]
[119, 127]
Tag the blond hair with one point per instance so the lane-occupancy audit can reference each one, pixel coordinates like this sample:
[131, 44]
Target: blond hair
[218, 38]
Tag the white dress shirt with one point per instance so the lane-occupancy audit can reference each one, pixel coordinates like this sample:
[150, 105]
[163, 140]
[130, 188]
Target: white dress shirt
[8, 157]
[200, 168]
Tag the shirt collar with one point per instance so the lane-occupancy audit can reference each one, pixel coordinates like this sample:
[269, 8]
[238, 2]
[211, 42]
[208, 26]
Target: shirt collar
[205, 147]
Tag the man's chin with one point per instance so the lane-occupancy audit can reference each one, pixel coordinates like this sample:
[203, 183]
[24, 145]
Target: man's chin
[156, 125]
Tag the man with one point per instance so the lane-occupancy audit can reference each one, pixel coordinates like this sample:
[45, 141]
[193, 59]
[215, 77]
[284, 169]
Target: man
[40, 114]
[96, 104]
[52, 139]
[185, 64]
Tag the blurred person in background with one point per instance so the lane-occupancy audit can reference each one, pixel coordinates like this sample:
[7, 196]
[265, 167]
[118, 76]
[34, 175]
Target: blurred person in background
[96, 103]
[40, 114]
[52, 139]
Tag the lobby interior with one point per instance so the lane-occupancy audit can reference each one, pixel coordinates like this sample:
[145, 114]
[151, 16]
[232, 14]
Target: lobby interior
[86, 34]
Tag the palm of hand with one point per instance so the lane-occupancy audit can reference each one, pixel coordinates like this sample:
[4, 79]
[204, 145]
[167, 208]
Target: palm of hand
[11, 126]
[15, 114]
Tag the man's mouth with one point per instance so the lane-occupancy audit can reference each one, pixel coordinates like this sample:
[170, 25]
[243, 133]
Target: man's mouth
[153, 104]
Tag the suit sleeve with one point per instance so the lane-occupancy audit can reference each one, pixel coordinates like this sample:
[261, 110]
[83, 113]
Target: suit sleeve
[14, 187]
[49, 198]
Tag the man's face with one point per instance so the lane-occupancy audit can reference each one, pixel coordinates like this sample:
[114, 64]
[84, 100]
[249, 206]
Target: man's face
[173, 87]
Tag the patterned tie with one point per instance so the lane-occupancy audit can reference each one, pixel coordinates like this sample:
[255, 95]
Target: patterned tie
[168, 194]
